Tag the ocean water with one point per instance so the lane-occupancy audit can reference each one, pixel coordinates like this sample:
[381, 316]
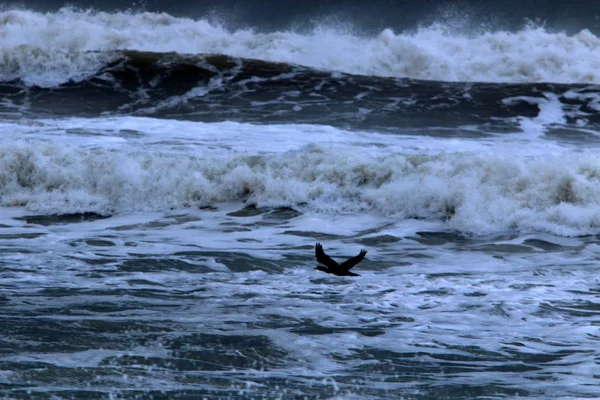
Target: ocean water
[165, 174]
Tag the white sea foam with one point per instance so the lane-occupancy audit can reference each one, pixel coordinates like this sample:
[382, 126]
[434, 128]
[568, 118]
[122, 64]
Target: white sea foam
[477, 187]
[492, 311]
[551, 113]
[42, 49]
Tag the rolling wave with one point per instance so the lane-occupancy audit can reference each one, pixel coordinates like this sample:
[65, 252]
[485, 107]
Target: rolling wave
[42, 50]
[471, 192]
[218, 87]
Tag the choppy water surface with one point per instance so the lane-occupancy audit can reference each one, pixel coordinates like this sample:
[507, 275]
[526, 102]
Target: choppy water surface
[225, 303]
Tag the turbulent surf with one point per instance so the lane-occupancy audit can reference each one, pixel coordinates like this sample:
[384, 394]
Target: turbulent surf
[166, 172]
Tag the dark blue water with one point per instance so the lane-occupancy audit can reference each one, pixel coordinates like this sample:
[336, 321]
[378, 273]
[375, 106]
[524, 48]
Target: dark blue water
[272, 15]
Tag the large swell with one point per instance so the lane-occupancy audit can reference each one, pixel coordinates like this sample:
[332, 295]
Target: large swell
[41, 49]
[221, 88]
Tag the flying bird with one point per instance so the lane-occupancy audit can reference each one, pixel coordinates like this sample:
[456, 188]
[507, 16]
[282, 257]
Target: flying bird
[332, 267]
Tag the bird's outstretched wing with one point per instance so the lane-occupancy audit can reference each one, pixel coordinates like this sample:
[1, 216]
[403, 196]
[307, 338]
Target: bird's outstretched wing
[324, 258]
[351, 262]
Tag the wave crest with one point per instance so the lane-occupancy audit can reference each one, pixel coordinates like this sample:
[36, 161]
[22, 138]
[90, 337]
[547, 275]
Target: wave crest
[42, 49]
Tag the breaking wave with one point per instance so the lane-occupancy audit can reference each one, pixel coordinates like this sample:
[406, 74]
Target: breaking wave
[473, 193]
[41, 49]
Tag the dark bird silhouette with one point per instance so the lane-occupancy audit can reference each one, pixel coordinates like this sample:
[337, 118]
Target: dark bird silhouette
[332, 267]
